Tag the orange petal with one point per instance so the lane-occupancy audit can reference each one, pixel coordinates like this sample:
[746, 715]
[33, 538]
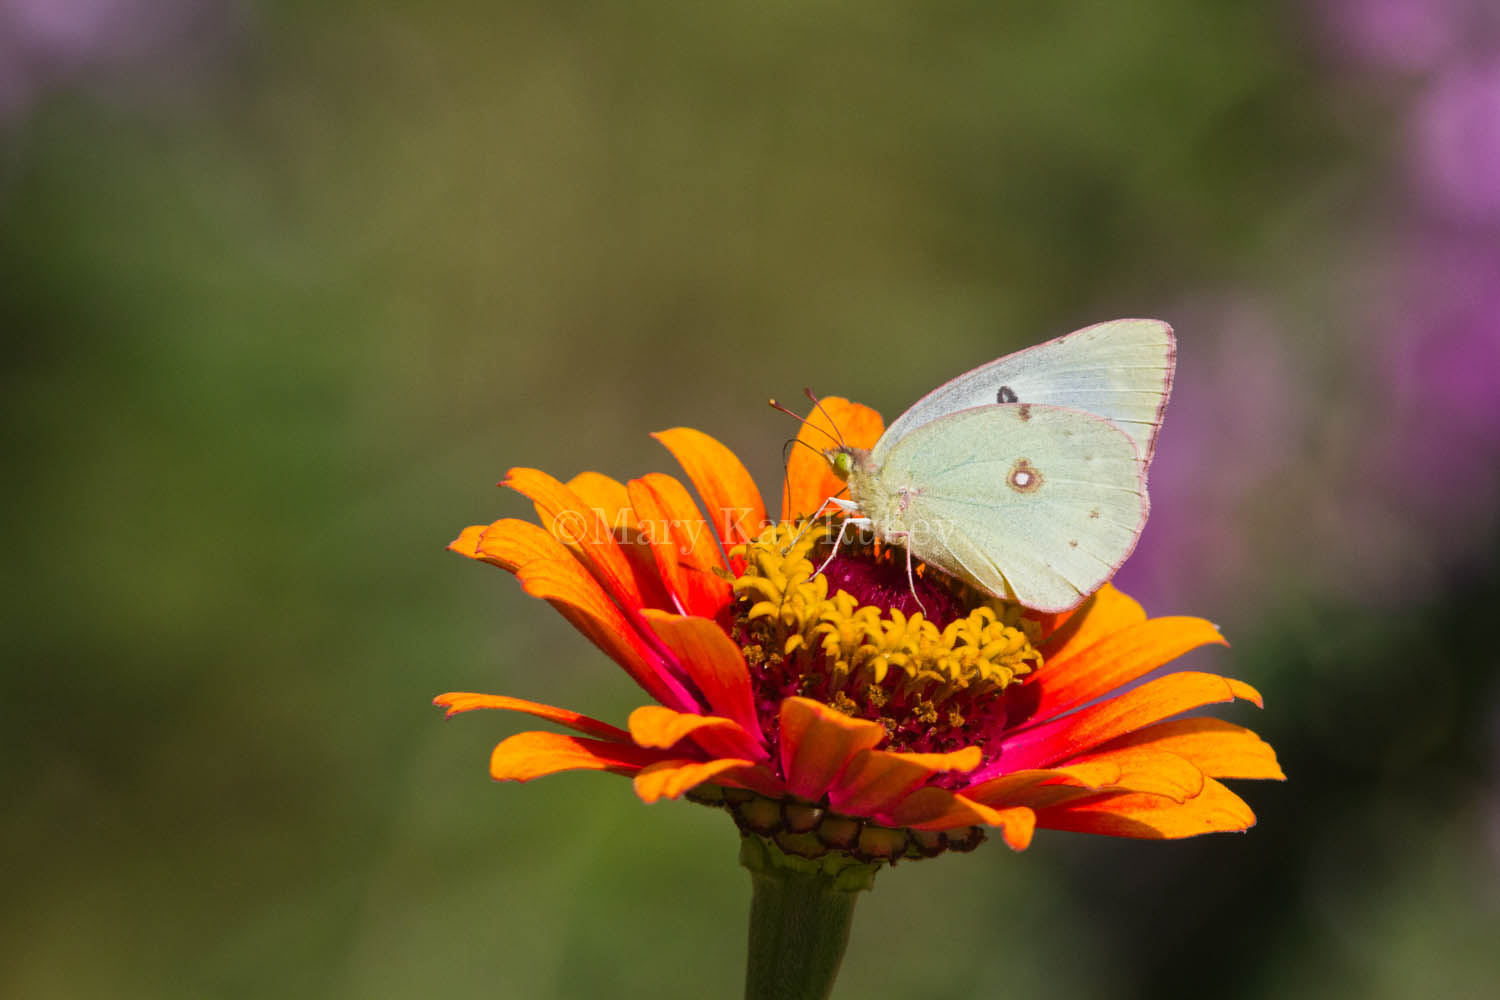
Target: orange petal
[1150, 772]
[463, 701]
[1108, 611]
[606, 495]
[876, 780]
[1217, 748]
[534, 755]
[733, 503]
[810, 478]
[1021, 787]
[467, 543]
[934, 808]
[1089, 727]
[662, 728]
[1151, 817]
[682, 544]
[817, 742]
[583, 530]
[669, 779]
[1153, 772]
[519, 548]
[549, 571]
[713, 663]
[1116, 659]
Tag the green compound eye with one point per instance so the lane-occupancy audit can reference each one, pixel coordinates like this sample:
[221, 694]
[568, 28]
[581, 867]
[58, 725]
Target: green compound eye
[842, 464]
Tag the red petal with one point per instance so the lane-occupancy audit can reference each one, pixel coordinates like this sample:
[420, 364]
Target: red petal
[817, 742]
[463, 701]
[876, 780]
[1215, 810]
[1069, 679]
[1089, 727]
[714, 664]
[810, 478]
[729, 494]
[682, 544]
[534, 755]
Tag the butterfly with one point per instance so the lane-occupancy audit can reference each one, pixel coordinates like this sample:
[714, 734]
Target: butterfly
[1025, 477]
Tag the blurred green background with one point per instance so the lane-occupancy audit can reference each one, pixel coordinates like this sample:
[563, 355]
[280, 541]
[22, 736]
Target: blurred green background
[286, 288]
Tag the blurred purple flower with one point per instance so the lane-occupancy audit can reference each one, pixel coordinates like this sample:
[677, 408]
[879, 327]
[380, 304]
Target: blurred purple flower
[1236, 410]
[46, 44]
[1434, 454]
[1399, 35]
[1457, 142]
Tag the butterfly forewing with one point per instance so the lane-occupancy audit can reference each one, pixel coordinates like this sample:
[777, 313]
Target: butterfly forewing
[1037, 503]
[1120, 370]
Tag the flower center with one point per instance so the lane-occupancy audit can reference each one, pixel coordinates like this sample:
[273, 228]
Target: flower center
[868, 649]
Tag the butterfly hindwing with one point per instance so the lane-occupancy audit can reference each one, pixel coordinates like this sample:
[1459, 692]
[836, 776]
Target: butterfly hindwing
[1036, 503]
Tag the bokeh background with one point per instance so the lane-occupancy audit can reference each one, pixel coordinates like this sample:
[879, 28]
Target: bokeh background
[285, 288]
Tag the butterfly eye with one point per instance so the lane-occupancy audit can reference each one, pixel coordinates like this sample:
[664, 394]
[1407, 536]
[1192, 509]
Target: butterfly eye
[842, 464]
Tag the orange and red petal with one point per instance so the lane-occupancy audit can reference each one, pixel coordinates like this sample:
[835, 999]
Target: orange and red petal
[1217, 748]
[1022, 787]
[1073, 678]
[714, 664]
[611, 500]
[536, 754]
[465, 701]
[809, 476]
[818, 742]
[547, 570]
[670, 779]
[733, 503]
[934, 808]
[682, 544]
[875, 781]
[582, 529]
[714, 735]
[1076, 734]
[1109, 610]
[1152, 817]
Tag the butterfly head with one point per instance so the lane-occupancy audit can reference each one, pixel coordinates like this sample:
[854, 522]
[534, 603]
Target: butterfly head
[842, 461]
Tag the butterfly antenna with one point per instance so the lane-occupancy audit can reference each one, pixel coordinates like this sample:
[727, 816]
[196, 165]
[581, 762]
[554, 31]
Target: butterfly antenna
[808, 423]
[818, 405]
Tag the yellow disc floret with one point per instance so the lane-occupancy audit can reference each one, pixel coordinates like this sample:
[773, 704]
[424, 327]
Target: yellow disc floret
[866, 659]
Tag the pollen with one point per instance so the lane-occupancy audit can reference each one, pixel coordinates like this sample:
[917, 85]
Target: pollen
[867, 657]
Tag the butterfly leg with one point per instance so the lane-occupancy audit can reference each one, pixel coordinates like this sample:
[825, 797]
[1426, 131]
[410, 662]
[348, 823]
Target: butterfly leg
[911, 580]
[808, 523]
[860, 523]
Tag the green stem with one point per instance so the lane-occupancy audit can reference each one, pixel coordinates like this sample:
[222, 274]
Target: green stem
[800, 914]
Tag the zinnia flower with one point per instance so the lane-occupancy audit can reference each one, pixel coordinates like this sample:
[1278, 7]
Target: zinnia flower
[825, 710]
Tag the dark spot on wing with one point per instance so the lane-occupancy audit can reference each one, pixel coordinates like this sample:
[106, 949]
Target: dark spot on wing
[1073, 542]
[1025, 411]
[1006, 395]
[1094, 514]
[1024, 477]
